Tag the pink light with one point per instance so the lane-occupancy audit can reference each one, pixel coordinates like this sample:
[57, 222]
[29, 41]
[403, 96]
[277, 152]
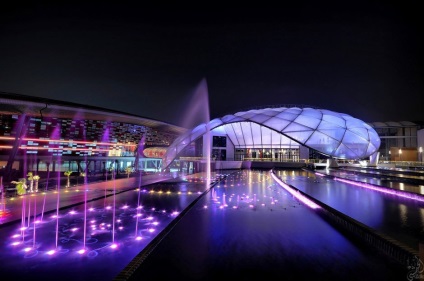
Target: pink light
[319, 174]
[15, 236]
[114, 246]
[398, 193]
[138, 238]
[151, 230]
[27, 249]
[74, 229]
[82, 251]
[72, 212]
[51, 252]
[296, 194]
[16, 243]
[69, 141]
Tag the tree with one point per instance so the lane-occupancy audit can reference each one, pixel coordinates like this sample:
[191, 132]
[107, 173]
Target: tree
[82, 174]
[128, 171]
[36, 179]
[31, 181]
[68, 174]
[20, 186]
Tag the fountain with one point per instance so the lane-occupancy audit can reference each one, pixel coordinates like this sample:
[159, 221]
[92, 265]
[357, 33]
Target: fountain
[197, 113]
[78, 230]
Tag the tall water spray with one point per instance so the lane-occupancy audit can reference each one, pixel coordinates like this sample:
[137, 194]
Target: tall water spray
[198, 112]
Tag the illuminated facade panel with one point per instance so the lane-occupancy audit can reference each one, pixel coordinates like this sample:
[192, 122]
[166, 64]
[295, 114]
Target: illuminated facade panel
[330, 133]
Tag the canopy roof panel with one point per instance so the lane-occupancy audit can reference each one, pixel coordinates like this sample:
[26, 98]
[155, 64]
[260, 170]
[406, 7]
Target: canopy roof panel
[331, 133]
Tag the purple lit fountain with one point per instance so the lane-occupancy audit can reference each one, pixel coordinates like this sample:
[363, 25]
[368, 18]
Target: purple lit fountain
[197, 113]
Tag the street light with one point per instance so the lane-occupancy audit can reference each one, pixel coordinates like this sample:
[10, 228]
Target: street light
[400, 154]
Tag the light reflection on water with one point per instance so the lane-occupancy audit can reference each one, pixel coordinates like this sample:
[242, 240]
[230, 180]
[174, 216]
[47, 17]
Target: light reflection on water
[399, 218]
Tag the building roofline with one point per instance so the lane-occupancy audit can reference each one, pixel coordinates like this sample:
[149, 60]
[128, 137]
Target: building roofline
[11, 103]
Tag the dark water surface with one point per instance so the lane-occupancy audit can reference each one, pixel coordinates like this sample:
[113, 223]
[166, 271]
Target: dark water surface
[397, 217]
[251, 229]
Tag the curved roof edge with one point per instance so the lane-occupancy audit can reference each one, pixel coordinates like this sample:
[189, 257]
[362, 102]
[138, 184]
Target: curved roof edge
[11, 103]
[339, 135]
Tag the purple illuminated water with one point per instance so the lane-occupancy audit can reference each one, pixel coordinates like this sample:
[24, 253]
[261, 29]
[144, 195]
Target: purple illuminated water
[278, 239]
[394, 216]
[106, 227]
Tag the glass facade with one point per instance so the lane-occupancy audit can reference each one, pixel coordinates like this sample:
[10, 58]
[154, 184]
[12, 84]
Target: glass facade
[278, 133]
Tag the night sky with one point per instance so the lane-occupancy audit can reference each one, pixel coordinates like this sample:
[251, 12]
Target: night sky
[365, 60]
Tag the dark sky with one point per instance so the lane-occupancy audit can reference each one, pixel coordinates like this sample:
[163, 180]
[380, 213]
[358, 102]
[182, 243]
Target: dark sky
[365, 60]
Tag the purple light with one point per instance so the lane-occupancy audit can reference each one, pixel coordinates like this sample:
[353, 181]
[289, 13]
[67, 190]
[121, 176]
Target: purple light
[114, 246]
[51, 252]
[319, 174]
[399, 193]
[82, 251]
[297, 194]
[138, 238]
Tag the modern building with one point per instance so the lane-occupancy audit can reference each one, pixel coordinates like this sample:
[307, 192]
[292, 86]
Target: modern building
[282, 134]
[41, 135]
[400, 141]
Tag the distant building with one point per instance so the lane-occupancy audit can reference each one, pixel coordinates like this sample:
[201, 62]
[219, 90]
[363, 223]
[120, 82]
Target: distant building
[399, 140]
